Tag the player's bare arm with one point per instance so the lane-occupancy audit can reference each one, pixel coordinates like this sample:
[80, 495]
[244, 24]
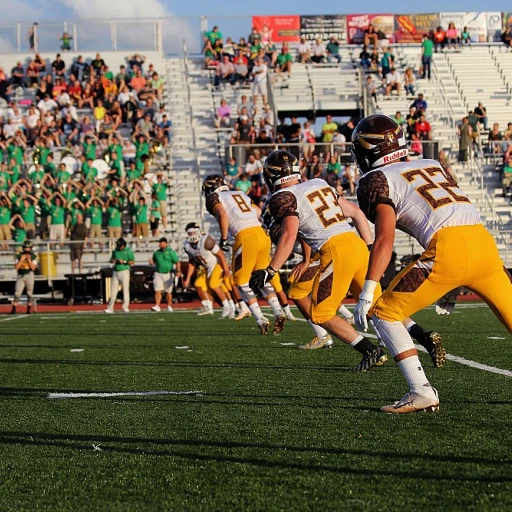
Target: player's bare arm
[289, 230]
[380, 255]
[300, 268]
[359, 219]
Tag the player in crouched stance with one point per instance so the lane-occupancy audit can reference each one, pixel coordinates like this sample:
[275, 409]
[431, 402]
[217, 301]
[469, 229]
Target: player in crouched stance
[237, 215]
[313, 211]
[205, 254]
[420, 199]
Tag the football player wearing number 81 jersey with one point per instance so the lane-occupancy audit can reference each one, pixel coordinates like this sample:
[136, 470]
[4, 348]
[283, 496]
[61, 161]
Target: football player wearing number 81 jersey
[419, 198]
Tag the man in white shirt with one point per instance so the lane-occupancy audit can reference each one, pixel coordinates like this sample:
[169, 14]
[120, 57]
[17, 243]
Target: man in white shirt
[304, 51]
[318, 51]
[393, 82]
[259, 86]
[9, 129]
[47, 104]
[253, 166]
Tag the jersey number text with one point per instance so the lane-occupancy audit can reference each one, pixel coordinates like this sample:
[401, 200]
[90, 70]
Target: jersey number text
[328, 204]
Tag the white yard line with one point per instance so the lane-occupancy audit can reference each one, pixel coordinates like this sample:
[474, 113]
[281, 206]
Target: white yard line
[13, 318]
[129, 393]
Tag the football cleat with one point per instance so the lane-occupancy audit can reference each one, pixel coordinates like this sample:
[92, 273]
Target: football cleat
[316, 343]
[109, 311]
[279, 322]
[413, 402]
[264, 326]
[432, 342]
[126, 310]
[374, 357]
[289, 316]
[155, 308]
[242, 315]
[170, 309]
[226, 313]
[205, 310]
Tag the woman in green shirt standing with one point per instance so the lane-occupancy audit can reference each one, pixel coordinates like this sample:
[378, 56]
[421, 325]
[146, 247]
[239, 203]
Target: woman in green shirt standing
[57, 209]
[115, 218]
[155, 214]
[27, 212]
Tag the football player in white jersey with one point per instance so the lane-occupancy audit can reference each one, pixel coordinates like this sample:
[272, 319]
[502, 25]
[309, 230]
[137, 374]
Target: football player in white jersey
[313, 212]
[203, 252]
[237, 216]
[419, 198]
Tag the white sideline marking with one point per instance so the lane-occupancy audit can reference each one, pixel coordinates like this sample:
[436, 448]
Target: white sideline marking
[451, 357]
[13, 318]
[77, 350]
[128, 393]
[473, 364]
[184, 347]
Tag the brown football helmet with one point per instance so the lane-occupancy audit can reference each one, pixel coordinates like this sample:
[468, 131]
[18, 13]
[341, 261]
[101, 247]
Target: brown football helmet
[376, 141]
[213, 183]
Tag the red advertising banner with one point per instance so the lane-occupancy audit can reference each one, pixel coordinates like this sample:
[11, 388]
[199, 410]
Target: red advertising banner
[410, 28]
[358, 23]
[279, 28]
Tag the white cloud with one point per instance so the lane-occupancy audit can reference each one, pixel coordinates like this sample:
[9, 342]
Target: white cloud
[117, 8]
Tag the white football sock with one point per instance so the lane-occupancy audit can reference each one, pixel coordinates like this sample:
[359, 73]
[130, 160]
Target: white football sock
[231, 304]
[286, 310]
[256, 311]
[398, 341]
[320, 332]
[409, 325]
[225, 304]
[276, 307]
[415, 376]
[345, 312]
[243, 307]
[210, 304]
[356, 341]
[205, 303]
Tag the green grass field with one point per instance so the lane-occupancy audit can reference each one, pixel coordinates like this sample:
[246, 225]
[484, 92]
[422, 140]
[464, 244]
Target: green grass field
[272, 427]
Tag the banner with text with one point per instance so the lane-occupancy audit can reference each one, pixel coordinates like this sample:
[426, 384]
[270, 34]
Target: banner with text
[493, 26]
[324, 27]
[358, 23]
[410, 28]
[278, 28]
[507, 20]
[476, 23]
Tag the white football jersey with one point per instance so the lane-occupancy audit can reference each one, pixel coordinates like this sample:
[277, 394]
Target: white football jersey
[239, 208]
[203, 254]
[424, 197]
[315, 203]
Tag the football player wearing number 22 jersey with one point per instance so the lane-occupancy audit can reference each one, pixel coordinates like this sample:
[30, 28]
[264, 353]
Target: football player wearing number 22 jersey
[418, 198]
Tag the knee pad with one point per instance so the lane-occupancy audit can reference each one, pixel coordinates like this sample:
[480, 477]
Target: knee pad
[246, 292]
[267, 290]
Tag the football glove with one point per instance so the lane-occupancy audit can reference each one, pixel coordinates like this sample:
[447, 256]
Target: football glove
[364, 305]
[259, 278]
[224, 244]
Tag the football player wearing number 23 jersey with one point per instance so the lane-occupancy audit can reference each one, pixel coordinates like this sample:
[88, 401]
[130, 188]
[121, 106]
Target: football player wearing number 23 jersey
[418, 198]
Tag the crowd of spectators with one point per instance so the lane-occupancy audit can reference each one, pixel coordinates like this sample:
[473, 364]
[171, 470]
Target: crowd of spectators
[107, 129]
[322, 154]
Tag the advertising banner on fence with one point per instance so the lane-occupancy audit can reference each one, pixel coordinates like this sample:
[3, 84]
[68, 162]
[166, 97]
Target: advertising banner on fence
[279, 28]
[358, 23]
[409, 28]
[507, 20]
[476, 22]
[323, 27]
[493, 26]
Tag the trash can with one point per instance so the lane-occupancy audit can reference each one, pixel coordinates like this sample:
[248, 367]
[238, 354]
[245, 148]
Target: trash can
[48, 263]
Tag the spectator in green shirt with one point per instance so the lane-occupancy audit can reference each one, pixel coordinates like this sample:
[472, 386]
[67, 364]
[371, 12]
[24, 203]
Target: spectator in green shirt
[57, 210]
[122, 258]
[141, 147]
[160, 189]
[332, 171]
[37, 175]
[94, 209]
[116, 168]
[164, 260]
[133, 173]
[13, 172]
[154, 220]
[243, 184]
[284, 60]
[89, 147]
[5, 219]
[19, 233]
[16, 147]
[115, 218]
[4, 177]
[50, 166]
[63, 175]
[141, 218]
[427, 48]
[42, 150]
[27, 211]
[333, 50]
[213, 35]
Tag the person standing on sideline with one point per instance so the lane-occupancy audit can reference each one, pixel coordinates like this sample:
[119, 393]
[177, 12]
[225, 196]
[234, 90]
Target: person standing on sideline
[78, 239]
[25, 266]
[122, 258]
[164, 259]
